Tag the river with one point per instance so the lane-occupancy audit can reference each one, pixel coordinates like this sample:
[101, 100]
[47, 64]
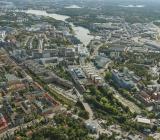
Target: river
[81, 33]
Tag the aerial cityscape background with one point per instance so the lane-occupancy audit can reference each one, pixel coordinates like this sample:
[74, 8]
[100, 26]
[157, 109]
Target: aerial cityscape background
[80, 69]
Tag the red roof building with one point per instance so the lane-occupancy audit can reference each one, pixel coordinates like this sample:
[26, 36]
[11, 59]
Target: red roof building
[3, 123]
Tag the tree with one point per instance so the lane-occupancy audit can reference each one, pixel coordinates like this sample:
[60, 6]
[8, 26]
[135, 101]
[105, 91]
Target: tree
[158, 80]
[108, 76]
[149, 138]
[84, 114]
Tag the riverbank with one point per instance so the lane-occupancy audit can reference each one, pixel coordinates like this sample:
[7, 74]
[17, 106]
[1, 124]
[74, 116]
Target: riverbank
[81, 33]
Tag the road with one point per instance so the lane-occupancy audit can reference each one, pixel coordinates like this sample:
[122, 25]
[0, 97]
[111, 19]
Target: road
[95, 52]
[86, 105]
[133, 108]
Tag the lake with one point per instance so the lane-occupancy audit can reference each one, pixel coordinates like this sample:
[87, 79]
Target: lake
[132, 6]
[73, 7]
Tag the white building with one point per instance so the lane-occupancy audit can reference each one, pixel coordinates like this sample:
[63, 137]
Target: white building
[2, 35]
